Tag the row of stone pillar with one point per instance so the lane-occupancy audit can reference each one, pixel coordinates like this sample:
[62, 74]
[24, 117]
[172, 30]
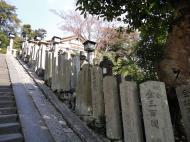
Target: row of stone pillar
[33, 53]
[61, 72]
[136, 113]
[119, 104]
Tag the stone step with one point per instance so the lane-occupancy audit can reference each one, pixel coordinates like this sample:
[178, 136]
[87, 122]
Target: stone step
[9, 128]
[5, 87]
[5, 79]
[6, 90]
[9, 110]
[8, 118]
[7, 98]
[6, 93]
[17, 137]
[5, 104]
[5, 83]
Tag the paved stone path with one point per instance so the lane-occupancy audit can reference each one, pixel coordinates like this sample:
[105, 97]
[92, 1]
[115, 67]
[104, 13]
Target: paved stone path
[10, 127]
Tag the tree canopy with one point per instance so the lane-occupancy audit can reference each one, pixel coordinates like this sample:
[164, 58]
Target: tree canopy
[135, 13]
[153, 18]
[28, 32]
[40, 33]
[9, 21]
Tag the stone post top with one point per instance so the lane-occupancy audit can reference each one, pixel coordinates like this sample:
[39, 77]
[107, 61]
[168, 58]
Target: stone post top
[87, 65]
[123, 79]
[152, 83]
[109, 76]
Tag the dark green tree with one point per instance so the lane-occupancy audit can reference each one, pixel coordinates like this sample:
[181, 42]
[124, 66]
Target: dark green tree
[4, 40]
[40, 33]
[17, 42]
[9, 22]
[27, 31]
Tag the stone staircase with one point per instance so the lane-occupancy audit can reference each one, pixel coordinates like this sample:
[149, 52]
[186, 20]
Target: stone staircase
[10, 127]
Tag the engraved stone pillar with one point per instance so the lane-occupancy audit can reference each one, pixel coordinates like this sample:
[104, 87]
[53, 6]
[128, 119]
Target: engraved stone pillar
[75, 68]
[46, 66]
[66, 64]
[83, 92]
[54, 84]
[156, 115]
[130, 112]
[49, 76]
[112, 109]
[183, 95]
[97, 93]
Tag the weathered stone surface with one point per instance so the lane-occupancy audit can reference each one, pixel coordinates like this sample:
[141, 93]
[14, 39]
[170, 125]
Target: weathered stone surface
[61, 58]
[35, 57]
[38, 58]
[183, 95]
[112, 109]
[49, 72]
[130, 112]
[46, 66]
[43, 53]
[75, 68]
[65, 72]
[66, 75]
[156, 116]
[83, 92]
[97, 93]
[54, 84]
[59, 73]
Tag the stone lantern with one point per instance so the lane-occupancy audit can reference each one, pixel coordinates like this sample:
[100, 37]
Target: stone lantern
[55, 40]
[106, 66]
[89, 46]
[10, 48]
[37, 38]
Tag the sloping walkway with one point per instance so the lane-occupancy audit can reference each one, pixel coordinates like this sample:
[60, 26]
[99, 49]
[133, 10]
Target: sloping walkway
[42, 121]
[35, 114]
[10, 128]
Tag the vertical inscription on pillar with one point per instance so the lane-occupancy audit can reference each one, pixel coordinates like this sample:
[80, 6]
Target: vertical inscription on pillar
[156, 116]
[130, 112]
[183, 95]
[97, 93]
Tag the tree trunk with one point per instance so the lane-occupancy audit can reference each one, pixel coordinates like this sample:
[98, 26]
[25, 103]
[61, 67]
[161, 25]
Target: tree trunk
[174, 69]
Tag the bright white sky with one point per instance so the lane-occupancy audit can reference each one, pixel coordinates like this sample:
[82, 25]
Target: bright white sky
[37, 13]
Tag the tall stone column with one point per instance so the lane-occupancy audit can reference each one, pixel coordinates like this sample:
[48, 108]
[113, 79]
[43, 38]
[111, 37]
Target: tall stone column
[54, 84]
[11, 44]
[130, 112]
[97, 94]
[10, 47]
[112, 108]
[46, 66]
[83, 92]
